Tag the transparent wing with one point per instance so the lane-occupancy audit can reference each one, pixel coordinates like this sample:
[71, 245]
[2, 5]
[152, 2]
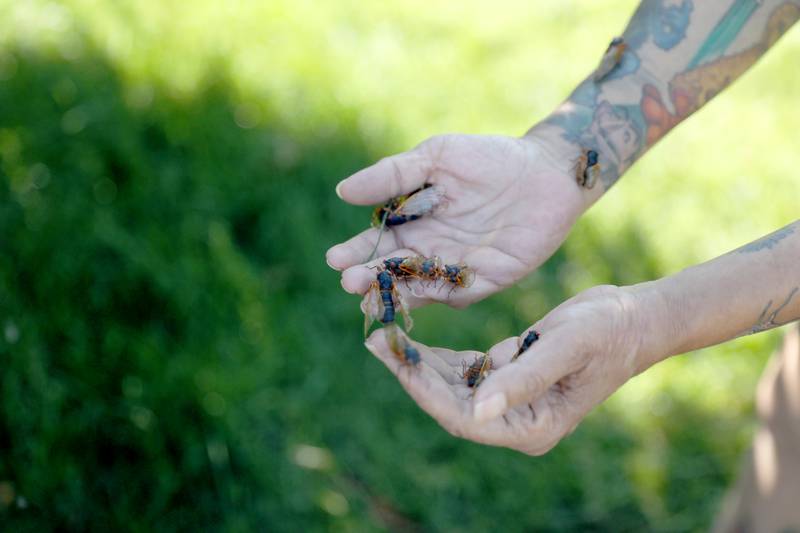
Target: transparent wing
[400, 305]
[592, 174]
[606, 65]
[393, 340]
[422, 202]
[371, 306]
[467, 277]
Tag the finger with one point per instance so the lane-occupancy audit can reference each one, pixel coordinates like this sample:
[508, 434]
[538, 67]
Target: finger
[417, 292]
[502, 352]
[551, 358]
[358, 249]
[455, 359]
[389, 177]
[423, 383]
[530, 428]
[356, 279]
[426, 386]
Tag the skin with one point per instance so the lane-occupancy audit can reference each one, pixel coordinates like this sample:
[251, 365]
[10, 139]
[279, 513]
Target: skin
[593, 343]
[512, 201]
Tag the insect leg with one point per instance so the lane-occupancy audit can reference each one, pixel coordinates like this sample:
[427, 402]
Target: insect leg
[380, 235]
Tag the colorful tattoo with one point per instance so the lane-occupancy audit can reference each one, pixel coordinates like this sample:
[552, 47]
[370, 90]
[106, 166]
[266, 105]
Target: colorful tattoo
[664, 21]
[693, 88]
[633, 107]
[725, 32]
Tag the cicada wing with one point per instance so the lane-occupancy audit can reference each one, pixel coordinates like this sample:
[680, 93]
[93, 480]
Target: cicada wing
[393, 339]
[610, 60]
[410, 265]
[580, 170]
[519, 349]
[467, 277]
[422, 202]
[378, 217]
[400, 305]
[591, 176]
[606, 65]
[371, 306]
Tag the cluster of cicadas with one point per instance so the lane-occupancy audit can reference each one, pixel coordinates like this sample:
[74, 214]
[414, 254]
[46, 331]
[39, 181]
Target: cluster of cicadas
[587, 167]
[383, 301]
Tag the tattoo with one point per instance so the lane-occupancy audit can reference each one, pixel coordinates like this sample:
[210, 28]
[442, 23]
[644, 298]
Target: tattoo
[665, 21]
[767, 319]
[692, 88]
[725, 32]
[768, 241]
[622, 125]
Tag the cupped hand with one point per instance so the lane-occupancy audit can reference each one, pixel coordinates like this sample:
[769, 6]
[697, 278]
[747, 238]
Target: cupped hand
[588, 347]
[509, 203]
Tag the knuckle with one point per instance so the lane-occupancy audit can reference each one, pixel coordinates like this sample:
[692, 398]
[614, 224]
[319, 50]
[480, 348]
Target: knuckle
[532, 383]
[453, 429]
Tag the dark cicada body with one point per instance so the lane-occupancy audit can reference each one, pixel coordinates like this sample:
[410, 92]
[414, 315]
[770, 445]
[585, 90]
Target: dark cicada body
[427, 268]
[411, 355]
[475, 373]
[526, 343]
[460, 275]
[382, 300]
[386, 287]
[400, 346]
[406, 208]
[395, 266]
[587, 169]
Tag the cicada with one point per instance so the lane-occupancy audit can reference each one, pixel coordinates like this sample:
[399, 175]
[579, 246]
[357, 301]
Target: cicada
[611, 58]
[475, 373]
[400, 345]
[526, 343]
[406, 208]
[587, 169]
[382, 300]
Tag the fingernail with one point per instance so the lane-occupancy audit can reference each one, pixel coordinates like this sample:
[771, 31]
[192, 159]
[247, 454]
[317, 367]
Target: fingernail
[490, 408]
[370, 346]
[328, 260]
[339, 189]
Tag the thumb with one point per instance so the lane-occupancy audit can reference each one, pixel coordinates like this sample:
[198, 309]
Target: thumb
[554, 356]
[389, 177]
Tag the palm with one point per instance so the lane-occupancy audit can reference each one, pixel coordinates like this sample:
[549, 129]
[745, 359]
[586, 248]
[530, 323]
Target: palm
[439, 389]
[589, 346]
[508, 207]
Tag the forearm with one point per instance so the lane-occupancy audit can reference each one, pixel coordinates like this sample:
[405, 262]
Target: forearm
[678, 56]
[754, 288]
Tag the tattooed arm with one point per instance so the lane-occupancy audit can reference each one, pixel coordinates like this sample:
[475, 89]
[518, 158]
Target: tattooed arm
[678, 55]
[590, 345]
[749, 290]
[510, 202]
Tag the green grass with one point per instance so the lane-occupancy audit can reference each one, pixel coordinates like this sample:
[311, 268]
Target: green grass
[174, 353]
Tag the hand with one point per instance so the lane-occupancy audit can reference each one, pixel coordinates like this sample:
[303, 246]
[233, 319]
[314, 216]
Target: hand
[509, 204]
[589, 346]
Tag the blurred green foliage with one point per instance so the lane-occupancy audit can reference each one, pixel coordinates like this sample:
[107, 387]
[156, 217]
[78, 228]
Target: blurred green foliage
[174, 353]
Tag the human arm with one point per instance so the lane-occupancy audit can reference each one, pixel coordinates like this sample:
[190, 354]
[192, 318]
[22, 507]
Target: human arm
[511, 201]
[592, 344]
[679, 54]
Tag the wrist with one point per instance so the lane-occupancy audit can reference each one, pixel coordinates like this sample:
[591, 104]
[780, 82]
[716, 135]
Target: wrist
[605, 117]
[561, 155]
[659, 320]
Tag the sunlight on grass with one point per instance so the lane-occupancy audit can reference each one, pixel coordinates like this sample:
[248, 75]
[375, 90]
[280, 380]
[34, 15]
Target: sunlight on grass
[389, 74]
